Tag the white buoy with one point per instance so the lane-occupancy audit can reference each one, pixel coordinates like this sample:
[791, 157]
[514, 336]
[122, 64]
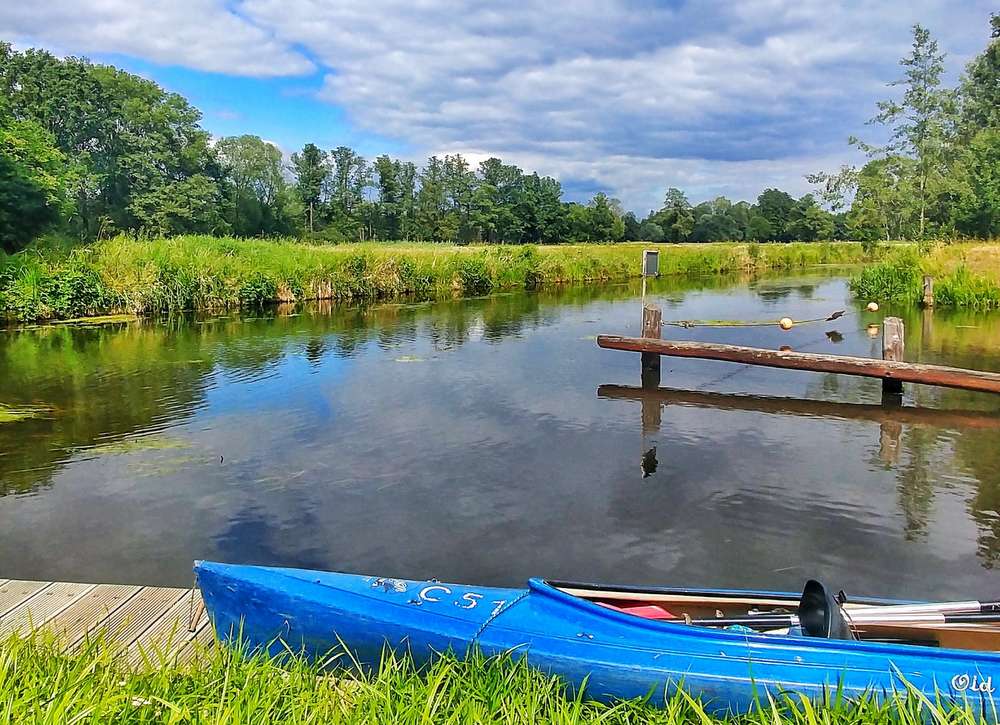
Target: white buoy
[873, 306]
[785, 323]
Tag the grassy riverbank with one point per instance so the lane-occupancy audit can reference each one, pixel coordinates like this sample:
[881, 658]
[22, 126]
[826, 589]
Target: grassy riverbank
[39, 685]
[965, 275]
[125, 275]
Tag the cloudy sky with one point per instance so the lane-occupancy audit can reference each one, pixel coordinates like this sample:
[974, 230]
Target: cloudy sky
[716, 97]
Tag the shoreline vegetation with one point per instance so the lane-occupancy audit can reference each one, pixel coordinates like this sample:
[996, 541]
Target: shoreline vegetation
[38, 684]
[129, 276]
[965, 275]
[126, 275]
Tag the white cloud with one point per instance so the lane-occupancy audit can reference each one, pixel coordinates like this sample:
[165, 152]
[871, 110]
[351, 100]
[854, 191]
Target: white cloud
[717, 95]
[627, 96]
[199, 34]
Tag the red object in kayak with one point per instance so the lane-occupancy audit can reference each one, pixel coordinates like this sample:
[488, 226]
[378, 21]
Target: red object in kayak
[646, 611]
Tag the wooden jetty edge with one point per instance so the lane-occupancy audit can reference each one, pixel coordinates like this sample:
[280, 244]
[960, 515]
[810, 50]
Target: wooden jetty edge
[887, 370]
[156, 624]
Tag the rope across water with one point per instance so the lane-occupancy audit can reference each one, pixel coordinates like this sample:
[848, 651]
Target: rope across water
[784, 322]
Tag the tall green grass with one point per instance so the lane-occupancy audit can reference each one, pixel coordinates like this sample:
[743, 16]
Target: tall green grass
[146, 276]
[962, 288]
[896, 279]
[899, 278]
[38, 684]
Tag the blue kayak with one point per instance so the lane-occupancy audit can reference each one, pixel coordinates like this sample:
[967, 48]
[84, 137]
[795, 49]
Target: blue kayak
[625, 642]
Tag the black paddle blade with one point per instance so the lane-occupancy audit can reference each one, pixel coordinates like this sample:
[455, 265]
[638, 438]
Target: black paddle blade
[820, 615]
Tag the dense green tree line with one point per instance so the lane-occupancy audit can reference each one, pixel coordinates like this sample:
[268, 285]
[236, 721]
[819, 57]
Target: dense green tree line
[938, 174]
[344, 197]
[777, 216]
[91, 150]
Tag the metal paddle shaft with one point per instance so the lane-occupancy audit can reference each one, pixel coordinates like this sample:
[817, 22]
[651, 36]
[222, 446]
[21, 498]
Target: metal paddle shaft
[821, 615]
[972, 607]
[928, 618]
[780, 621]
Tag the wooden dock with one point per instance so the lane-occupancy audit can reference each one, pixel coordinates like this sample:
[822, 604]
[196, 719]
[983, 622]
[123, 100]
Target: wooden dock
[158, 624]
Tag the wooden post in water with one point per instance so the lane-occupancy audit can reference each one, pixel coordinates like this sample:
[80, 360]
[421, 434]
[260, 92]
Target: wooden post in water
[652, 318]
[928, 300]
[651, 409]
[892, 349]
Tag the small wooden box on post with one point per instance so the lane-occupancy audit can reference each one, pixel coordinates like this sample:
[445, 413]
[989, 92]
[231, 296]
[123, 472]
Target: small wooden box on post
[652, 318]
[893, 345]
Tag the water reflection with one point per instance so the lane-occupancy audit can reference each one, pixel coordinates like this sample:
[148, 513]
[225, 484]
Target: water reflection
[463, 440]
[917, 431]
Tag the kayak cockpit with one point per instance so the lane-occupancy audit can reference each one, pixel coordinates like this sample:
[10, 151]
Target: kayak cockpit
[706, 607]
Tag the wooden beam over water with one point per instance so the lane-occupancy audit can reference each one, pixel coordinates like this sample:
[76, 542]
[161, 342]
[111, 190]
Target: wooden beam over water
[904, 372]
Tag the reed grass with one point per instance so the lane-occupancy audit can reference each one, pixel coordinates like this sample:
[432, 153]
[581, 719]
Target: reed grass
[965, 275]
[896, 279]
[39, 684]
[146, 276]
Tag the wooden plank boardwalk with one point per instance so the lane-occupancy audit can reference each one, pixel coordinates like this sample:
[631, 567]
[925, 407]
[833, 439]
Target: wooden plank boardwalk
[158, 624]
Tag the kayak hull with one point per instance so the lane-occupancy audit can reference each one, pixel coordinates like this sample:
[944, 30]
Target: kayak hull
[616, 655]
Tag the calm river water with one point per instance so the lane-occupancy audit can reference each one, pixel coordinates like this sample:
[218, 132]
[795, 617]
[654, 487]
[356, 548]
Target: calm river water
[491, 440]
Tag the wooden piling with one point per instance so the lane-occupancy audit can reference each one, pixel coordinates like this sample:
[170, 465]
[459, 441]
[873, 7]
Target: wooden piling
[652, 318]
[928, 299]
[893, 343]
